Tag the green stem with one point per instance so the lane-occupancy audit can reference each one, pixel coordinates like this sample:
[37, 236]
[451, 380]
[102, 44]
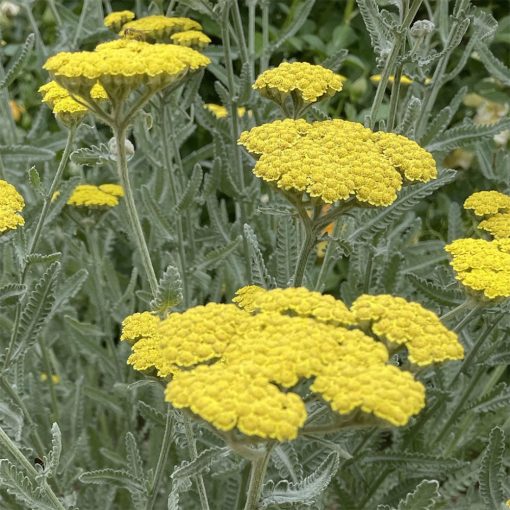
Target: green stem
[264, 57]
[391, 61]
[465, 304]
[102, 306]
[194, 454]
[257, 475]
[163, 456]
[129, 200]
[308, 243]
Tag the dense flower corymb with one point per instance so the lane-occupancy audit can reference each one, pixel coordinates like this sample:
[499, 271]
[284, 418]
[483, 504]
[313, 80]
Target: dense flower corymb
[88, 195]
[159, 28]
[310, 82]
[122, 66]
[227, 363]
[337, 159]
[495, 206]
[400, 322]
[482, 266]
[11, 204]
[115, 20]
[192, 38]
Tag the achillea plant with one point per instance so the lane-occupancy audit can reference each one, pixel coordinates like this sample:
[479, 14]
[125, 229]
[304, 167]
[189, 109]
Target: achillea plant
[236, 274]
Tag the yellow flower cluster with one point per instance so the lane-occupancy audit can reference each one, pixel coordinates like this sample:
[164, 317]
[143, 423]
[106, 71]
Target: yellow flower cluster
[221, 112]
[191, 38]
[310, 82]
[404, 80]
[399, 322]
[11, 204]
[122, 66]
[88, 195]
[159, 28]
[228, 363]
[299, 301]
[337, 159]
[116, 20]
[482, 266]
[496, 207]
[66, 108]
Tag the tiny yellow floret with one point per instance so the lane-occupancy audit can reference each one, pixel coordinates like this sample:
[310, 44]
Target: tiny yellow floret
[11, 205]
[310, 82]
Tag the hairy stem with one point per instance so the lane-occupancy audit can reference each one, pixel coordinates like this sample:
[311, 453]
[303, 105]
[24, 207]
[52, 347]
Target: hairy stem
[257, 475]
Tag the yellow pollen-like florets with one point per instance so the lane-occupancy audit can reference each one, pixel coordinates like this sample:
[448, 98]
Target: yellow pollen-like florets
[159, 28]
[122, 66]
[310, 82]
[228, 364]
[221, 112]
[482, 266]
[192, 38]
[403, 323]
[115, 20]
[11, 204]
[88, 195]
[299, 301]
[337, 159]
[496, 207]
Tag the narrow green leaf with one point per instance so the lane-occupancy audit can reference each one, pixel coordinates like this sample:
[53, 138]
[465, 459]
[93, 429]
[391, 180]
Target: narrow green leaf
[491, 470]
[25, 153]
[190, 194]
[19, 62]
[423, 498]
[115, 478]
[495, 399]
[12, 290]
[286, 251]
[134, 458]
[169, 291]
[202, 463]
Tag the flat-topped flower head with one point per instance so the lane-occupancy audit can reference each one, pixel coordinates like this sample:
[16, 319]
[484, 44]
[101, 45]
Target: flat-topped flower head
[123, 66]
[192, 38]
[495, 206]
[307, 81]
[221, 112]
[11, 205]
[116, 20]
[294, 301]
[482, 266]
[237, 367]
[88, 195]
[158, 28]
[400, 322]
[337, 159]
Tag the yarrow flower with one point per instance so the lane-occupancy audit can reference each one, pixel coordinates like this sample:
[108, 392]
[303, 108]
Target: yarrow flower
[116, 20]
[221, 112]
[159, 28]
[192, 38]
[482, 266]
[337, 159]
[123, 66]
[400, 322]
[11, 204]
[64, 106]
[495, 206]
[228, 363]
[88, 195]
[309, 82]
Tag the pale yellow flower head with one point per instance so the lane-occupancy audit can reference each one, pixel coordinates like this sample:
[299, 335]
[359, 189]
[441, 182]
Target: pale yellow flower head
[310, 82]
[221, 112]
[116, 20]
[88, 195]
[482, 266]
[495, 206]
[123, 66]
[158, 28]
[400, 322]
[11, 205]
[191, 38]
[336, 159]
[228, 364]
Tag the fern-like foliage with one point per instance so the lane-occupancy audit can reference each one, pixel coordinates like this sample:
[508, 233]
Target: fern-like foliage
[491, 470]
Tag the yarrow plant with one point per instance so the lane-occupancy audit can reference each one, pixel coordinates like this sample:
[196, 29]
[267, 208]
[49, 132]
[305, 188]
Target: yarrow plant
[236, 269]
